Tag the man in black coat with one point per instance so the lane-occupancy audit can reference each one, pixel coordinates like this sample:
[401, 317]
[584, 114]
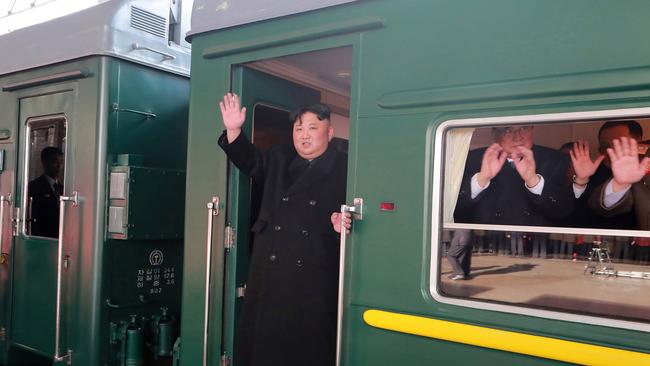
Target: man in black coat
[289, 311]
[44, 192]
[514, 182]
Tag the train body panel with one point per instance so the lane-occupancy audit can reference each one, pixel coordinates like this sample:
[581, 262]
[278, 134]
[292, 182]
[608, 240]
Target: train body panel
[114, 104]
[114, 112]
[415, 65]
[156, 222]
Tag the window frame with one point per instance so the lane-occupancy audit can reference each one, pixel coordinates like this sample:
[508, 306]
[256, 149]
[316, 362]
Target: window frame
[27, 165]
[438, 134]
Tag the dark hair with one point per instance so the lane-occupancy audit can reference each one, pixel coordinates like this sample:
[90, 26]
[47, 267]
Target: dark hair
[633, 126]
[321, 111]
[567, 145]
[49, 152]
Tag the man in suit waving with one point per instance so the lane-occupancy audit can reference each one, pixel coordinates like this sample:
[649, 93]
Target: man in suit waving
[514, 182]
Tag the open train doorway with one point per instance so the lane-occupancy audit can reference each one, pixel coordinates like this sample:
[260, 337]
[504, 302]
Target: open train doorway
[271, 89]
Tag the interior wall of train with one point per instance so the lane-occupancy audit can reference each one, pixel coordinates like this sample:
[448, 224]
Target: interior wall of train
[93, 152]
[428, 81]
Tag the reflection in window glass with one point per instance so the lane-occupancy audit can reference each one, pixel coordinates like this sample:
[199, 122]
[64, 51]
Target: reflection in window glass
[565, 191]
[45, 166]
[585, 274]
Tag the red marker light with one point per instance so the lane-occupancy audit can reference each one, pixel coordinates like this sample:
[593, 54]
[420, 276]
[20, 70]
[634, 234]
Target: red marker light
[387, 206]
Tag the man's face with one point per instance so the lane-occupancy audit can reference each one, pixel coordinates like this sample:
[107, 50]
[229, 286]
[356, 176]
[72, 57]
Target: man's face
[608, 135]
[52, 165]
[311, 135]
[510, 138]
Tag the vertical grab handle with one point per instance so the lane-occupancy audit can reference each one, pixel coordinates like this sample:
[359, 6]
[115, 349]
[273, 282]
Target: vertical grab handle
[74, 198]
[213, 210]
[357, 213]
[3, 199]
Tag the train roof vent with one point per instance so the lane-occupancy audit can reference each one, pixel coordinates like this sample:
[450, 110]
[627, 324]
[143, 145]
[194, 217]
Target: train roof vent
[148, 22]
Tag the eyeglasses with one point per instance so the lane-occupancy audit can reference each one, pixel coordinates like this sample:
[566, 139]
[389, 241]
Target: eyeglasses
[511, 131]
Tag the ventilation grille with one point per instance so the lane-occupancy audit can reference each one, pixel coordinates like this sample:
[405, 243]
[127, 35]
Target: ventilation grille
[148, 22]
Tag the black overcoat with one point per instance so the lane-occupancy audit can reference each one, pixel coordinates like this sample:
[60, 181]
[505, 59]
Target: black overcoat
[289, 311]
[507, 201]
[44, 208]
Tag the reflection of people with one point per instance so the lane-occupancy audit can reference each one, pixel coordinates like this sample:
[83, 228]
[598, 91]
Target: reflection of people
[629, 188]
[460, 254]
[44, 193]
[514, 182]
[289, 311]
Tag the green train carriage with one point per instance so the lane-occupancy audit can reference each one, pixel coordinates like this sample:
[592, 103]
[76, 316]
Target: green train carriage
[109, 87]
[414, 85]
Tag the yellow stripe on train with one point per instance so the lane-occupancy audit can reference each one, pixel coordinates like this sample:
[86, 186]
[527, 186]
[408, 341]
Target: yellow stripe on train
[532, 345]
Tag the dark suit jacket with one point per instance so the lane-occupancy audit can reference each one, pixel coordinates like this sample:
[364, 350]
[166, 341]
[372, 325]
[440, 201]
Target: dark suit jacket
[45, 208]
[636, 201]
[507, 201]
[289, 311]
[586, 213]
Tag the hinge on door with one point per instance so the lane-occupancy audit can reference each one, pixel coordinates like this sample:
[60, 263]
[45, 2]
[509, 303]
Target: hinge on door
[240, 291]
[225, 360]
[229, 241]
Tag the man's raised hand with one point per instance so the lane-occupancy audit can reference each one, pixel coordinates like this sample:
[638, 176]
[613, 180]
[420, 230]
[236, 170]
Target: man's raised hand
[525, 164]
[493, 159]
[233, 115]
[626, 167]
[583, 166]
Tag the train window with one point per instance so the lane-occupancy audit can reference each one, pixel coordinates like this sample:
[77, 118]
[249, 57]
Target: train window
[535, 214]
[44, 173]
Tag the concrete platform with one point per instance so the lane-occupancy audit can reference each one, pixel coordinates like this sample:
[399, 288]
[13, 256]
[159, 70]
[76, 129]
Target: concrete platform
[553, 284]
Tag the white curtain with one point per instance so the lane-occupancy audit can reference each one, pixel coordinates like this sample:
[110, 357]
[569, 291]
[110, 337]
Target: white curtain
[457, 144]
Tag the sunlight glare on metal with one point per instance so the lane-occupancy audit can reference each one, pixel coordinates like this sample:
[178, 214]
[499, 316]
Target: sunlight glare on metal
[16, 14]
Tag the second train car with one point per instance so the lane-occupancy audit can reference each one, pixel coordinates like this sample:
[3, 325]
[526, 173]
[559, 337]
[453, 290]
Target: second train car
[93, 114]
[414, 85]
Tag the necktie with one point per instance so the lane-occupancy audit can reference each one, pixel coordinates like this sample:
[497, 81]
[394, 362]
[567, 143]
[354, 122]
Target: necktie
[58, 188]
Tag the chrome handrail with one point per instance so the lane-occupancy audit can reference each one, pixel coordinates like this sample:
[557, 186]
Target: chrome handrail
[74, 198]
[357, 213]
[3, 199]
[166, 56]
[213, 210]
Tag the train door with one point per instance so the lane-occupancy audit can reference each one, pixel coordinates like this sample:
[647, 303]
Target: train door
[44, 182]
[7, 197]
[270, 99]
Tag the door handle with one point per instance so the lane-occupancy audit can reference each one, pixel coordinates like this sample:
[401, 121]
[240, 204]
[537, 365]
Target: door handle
[3, 199]
[74, 198]
[357, 214]
[213, 210]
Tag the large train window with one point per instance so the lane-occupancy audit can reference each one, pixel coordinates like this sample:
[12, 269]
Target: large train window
[535, 215]
[44, 172]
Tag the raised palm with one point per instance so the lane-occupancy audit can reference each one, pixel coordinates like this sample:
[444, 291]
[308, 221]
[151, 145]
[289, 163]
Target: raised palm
[583, 166]
[525, 163]
[493, 159]
[626, 167]
[231, 112]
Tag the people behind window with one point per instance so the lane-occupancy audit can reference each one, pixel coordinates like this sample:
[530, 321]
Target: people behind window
[628, 191]
[514, 182]
[44, 193]
[459, 255]
[592, 176]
